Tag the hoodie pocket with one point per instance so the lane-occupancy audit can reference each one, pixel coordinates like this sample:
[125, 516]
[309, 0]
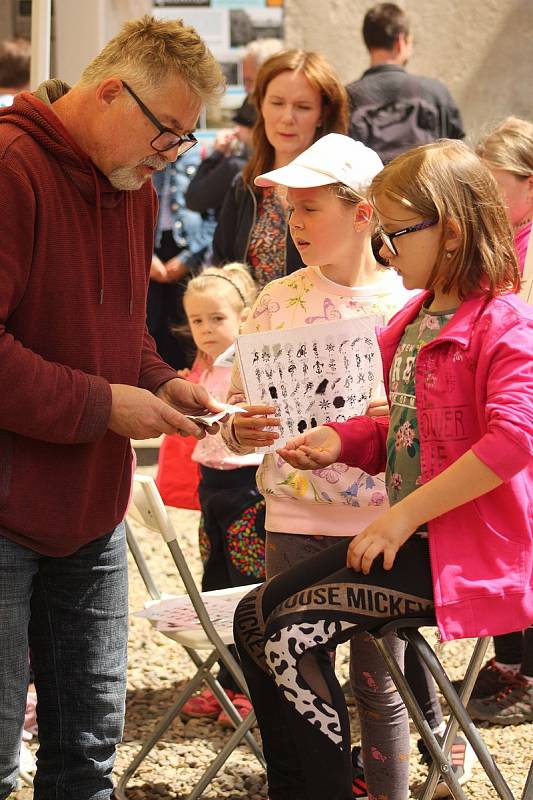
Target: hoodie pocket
[6, 463]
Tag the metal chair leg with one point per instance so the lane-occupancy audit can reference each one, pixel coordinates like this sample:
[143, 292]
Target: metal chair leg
[459, 712]
[436, 752]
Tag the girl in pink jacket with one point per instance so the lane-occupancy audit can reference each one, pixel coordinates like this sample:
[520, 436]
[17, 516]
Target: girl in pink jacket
[456, 542]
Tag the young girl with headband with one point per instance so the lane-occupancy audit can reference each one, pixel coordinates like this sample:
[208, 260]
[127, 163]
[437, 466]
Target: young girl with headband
[232, 529]
[457, 541]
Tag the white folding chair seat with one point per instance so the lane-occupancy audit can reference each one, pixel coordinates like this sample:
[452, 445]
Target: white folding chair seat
[206, 643]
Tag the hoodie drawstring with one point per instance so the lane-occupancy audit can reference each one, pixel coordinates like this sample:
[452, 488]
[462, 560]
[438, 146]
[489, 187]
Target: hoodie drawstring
[100, 244]
[129, 218]
[99, 238]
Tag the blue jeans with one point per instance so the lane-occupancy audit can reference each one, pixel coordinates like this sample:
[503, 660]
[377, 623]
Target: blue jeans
[71, 613]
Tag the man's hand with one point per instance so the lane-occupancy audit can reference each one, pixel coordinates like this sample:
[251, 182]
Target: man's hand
[317, 448]
[158, 271]
[224, 140]
[249, 428]
[139, 414]
[176, 270]
[386, 535]
[189, 398]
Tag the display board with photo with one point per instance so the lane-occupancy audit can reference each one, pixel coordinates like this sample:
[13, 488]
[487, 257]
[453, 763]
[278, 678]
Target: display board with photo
[226, 26]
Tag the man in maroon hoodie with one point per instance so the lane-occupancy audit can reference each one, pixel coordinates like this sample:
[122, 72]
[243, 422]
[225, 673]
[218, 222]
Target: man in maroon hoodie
[79, 376]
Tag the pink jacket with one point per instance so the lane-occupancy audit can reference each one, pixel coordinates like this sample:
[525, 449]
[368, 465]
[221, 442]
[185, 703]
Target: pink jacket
[474, 390]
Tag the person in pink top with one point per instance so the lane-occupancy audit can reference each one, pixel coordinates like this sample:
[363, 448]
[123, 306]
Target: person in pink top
[457, 540]
[232, 529]
[503, 692]
[508, 153]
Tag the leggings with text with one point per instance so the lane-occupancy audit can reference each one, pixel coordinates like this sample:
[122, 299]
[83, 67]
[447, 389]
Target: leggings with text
[285, 631]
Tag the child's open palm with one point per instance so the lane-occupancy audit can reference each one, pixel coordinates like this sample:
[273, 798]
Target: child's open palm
[319, 447]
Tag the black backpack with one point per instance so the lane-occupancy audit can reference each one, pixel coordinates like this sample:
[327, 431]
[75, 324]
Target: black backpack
[395, 127]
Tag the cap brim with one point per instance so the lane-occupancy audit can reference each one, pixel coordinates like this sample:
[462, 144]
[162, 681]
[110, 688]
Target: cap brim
[294, 176]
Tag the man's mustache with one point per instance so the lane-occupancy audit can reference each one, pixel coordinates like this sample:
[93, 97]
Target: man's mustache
[155, 162]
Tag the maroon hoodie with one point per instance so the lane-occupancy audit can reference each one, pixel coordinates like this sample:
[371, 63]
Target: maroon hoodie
[73, 276]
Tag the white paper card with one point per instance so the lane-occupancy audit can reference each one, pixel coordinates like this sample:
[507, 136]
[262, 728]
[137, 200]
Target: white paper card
[313, 374]
[210, 419]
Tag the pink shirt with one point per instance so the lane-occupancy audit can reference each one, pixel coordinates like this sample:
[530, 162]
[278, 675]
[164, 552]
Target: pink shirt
[211, 450]
[521, 241]
[335, 501]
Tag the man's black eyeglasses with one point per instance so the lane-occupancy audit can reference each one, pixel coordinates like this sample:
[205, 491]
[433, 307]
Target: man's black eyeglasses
[166, 139]
[387, 238]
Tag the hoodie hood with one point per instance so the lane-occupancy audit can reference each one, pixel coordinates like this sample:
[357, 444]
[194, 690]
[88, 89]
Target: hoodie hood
[32, 114]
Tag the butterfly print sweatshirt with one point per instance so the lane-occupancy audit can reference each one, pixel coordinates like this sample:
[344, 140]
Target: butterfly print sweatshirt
[337, 500]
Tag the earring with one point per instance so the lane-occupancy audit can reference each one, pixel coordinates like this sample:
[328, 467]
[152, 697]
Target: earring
[448, 254]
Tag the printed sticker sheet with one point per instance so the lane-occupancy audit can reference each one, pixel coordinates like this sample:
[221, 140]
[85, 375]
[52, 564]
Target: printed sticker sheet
[313, 374]
[178, 614]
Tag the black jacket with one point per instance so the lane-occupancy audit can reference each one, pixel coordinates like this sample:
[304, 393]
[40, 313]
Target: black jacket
[392, 111]
[212, 181]
[235, 225]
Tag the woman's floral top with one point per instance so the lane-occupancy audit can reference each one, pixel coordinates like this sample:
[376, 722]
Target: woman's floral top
[268, 243]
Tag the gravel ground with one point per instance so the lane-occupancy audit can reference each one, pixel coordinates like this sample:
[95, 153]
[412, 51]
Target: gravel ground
[158, 668]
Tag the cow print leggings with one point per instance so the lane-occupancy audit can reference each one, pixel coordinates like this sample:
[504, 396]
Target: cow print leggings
[285, 632]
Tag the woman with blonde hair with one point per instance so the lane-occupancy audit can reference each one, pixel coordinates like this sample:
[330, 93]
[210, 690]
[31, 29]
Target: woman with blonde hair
[508, 153]
[299, 98]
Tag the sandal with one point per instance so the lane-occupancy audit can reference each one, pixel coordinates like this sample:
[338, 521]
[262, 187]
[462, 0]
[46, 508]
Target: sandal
[203, 705]
[243, 706]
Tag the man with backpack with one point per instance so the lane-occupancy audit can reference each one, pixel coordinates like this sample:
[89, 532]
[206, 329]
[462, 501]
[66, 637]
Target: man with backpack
[391, 110]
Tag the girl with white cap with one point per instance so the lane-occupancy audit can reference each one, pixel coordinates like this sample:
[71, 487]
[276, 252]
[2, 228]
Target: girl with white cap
[331, 225]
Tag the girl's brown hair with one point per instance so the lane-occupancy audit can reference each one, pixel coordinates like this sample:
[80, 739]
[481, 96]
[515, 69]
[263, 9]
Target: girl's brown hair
[322, 77]
[446, 181]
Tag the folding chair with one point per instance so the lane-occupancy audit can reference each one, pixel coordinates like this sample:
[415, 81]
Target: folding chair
[148, 507]
[408, 629]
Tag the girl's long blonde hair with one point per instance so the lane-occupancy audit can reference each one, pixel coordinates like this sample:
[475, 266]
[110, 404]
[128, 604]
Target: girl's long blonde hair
[446, 181]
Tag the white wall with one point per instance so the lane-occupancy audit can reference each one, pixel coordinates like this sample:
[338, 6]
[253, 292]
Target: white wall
[481, 49]
[82, 28]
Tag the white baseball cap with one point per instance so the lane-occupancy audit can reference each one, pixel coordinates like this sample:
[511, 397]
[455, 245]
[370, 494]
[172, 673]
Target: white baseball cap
[332, 159]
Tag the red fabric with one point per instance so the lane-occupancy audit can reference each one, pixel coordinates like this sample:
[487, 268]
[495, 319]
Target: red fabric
[73, 275]
[177, 474]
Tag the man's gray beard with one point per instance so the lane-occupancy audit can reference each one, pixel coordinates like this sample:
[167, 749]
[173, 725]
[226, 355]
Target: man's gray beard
[128, 179]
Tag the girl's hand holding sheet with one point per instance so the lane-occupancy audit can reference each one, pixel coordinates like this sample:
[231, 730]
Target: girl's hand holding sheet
[249, 428]
[378, 407]
[319, 447]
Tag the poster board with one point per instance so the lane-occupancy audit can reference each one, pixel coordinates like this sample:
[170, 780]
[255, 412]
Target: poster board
[314, 374]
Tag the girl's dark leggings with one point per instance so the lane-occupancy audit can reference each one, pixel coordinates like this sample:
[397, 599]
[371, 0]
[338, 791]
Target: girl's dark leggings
[285, 631]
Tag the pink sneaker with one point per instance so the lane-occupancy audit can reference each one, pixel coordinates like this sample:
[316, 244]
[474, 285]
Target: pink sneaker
[203, 705]
[243, 706]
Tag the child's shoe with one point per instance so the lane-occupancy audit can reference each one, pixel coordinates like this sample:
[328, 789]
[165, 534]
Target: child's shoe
[359, 787]
[490, 680]
[461, 758]
[203, 705]
[513, 705]
[27, 765]
[243, 706]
